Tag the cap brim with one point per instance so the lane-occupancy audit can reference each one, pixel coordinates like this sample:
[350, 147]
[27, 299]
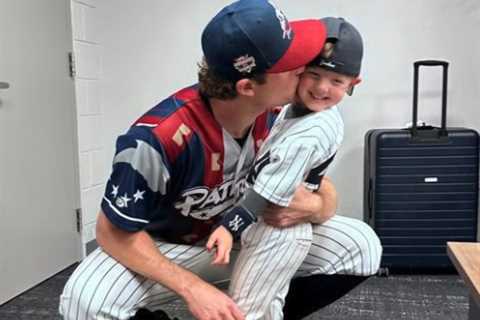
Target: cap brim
[309, 38]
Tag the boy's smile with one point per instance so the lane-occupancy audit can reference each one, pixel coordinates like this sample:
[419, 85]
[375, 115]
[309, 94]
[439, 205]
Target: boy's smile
[320, 89]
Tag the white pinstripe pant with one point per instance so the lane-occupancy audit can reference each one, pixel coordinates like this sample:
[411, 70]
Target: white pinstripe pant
[101, 288]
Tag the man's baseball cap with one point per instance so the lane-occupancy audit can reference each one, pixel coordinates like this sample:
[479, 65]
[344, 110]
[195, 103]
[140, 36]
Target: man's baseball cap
[253, 36]
[346, 55]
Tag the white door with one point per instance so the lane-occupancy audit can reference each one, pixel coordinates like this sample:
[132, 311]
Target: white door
[38, 149]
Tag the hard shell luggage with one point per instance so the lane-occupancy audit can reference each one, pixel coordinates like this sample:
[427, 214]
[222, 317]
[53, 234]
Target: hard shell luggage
[421, 187]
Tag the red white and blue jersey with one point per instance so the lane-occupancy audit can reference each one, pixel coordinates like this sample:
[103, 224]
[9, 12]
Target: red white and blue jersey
[177, 170]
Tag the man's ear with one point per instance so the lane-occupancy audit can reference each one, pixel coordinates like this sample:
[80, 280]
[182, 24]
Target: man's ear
[245, 87]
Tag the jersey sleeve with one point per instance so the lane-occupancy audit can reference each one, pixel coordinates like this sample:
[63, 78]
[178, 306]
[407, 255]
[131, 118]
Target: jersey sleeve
[330, 137]
[138, 180]
[282, 170]
[315, 176]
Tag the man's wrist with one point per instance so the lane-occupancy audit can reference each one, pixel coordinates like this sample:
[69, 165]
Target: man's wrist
[188, 284]
[326, 203]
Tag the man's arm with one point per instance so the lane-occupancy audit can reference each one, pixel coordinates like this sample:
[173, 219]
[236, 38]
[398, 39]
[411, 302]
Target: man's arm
[306, 206]
[137, 251]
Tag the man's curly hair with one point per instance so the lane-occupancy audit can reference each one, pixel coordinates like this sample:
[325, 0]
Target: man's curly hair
[214, 86]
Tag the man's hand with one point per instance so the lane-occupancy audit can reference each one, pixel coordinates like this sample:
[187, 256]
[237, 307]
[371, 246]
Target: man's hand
[223, 240]
[314, 207]
[282, 217]
[138, 252]
[206, 302]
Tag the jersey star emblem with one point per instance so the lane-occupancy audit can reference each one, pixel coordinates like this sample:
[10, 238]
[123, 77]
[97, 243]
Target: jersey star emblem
[122, 201]
[114, 192]
[138, 196]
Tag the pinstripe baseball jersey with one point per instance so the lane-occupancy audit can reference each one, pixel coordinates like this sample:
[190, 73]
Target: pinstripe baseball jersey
[176, 170]
[299, 149]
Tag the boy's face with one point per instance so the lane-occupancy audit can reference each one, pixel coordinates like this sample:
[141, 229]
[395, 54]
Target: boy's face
[279, 88]
[320, 89]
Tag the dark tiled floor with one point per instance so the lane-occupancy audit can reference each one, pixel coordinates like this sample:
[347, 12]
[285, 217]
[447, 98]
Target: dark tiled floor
[39, 303]
[399, 297]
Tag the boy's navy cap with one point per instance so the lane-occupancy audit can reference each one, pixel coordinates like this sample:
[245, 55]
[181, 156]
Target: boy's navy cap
[253, 36]
[346, 57]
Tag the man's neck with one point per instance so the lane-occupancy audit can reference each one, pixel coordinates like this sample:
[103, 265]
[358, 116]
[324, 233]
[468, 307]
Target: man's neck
[236, 116]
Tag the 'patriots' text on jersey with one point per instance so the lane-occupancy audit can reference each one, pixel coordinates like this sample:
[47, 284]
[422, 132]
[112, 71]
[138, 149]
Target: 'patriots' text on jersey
[177, 170]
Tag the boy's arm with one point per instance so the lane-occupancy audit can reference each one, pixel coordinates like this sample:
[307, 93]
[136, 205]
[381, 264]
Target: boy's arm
[233, 223]
[306, 206]
[245, 213]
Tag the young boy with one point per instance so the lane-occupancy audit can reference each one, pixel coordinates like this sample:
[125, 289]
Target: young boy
[301, 145]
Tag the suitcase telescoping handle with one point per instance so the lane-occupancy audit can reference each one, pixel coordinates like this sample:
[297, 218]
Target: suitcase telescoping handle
[416, 67]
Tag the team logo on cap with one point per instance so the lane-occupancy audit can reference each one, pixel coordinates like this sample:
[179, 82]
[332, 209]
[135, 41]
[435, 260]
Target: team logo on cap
[328, 64]
[287, 30]
[244, 64]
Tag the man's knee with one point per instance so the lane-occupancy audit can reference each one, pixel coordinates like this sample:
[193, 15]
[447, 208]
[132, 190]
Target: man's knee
[371, 249]
[346, 246]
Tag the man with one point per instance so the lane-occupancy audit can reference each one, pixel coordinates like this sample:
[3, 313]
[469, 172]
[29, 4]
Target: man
[183, 163]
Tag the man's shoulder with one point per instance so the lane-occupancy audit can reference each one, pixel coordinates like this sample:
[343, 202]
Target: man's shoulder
[174, 123]
[183, 101]
[177, 117]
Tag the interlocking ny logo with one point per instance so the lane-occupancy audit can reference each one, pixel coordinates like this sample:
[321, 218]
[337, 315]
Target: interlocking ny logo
[244, 64]
[236, 223]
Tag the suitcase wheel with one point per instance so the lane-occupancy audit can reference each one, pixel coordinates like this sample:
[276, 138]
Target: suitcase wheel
[383, 272]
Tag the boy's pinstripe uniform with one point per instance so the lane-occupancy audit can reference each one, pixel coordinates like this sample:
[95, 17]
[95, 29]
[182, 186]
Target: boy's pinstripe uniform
[299, 149]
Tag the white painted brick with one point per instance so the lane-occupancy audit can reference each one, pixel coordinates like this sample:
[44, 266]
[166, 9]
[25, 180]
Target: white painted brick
[88, 97]
[81, 93]
[85, 170]
[91, 199]
[87, 57]
[91, 24]
[85, 129]
[88, 232]
[89, 132]
[97, 133]
[94, 101]
[91, 3]
[78, 21]
[99, 167]
[85, 22]
[84, 135]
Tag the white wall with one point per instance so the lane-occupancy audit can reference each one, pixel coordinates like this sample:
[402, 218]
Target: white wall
[92, 161]
[150, 48]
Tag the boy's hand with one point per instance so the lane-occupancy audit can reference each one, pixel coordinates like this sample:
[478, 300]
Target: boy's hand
[223, 240]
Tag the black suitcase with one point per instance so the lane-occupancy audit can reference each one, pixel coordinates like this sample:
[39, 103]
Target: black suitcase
[421, 188]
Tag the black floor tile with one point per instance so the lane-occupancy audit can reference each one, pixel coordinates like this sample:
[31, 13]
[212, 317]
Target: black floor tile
[398, 297]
